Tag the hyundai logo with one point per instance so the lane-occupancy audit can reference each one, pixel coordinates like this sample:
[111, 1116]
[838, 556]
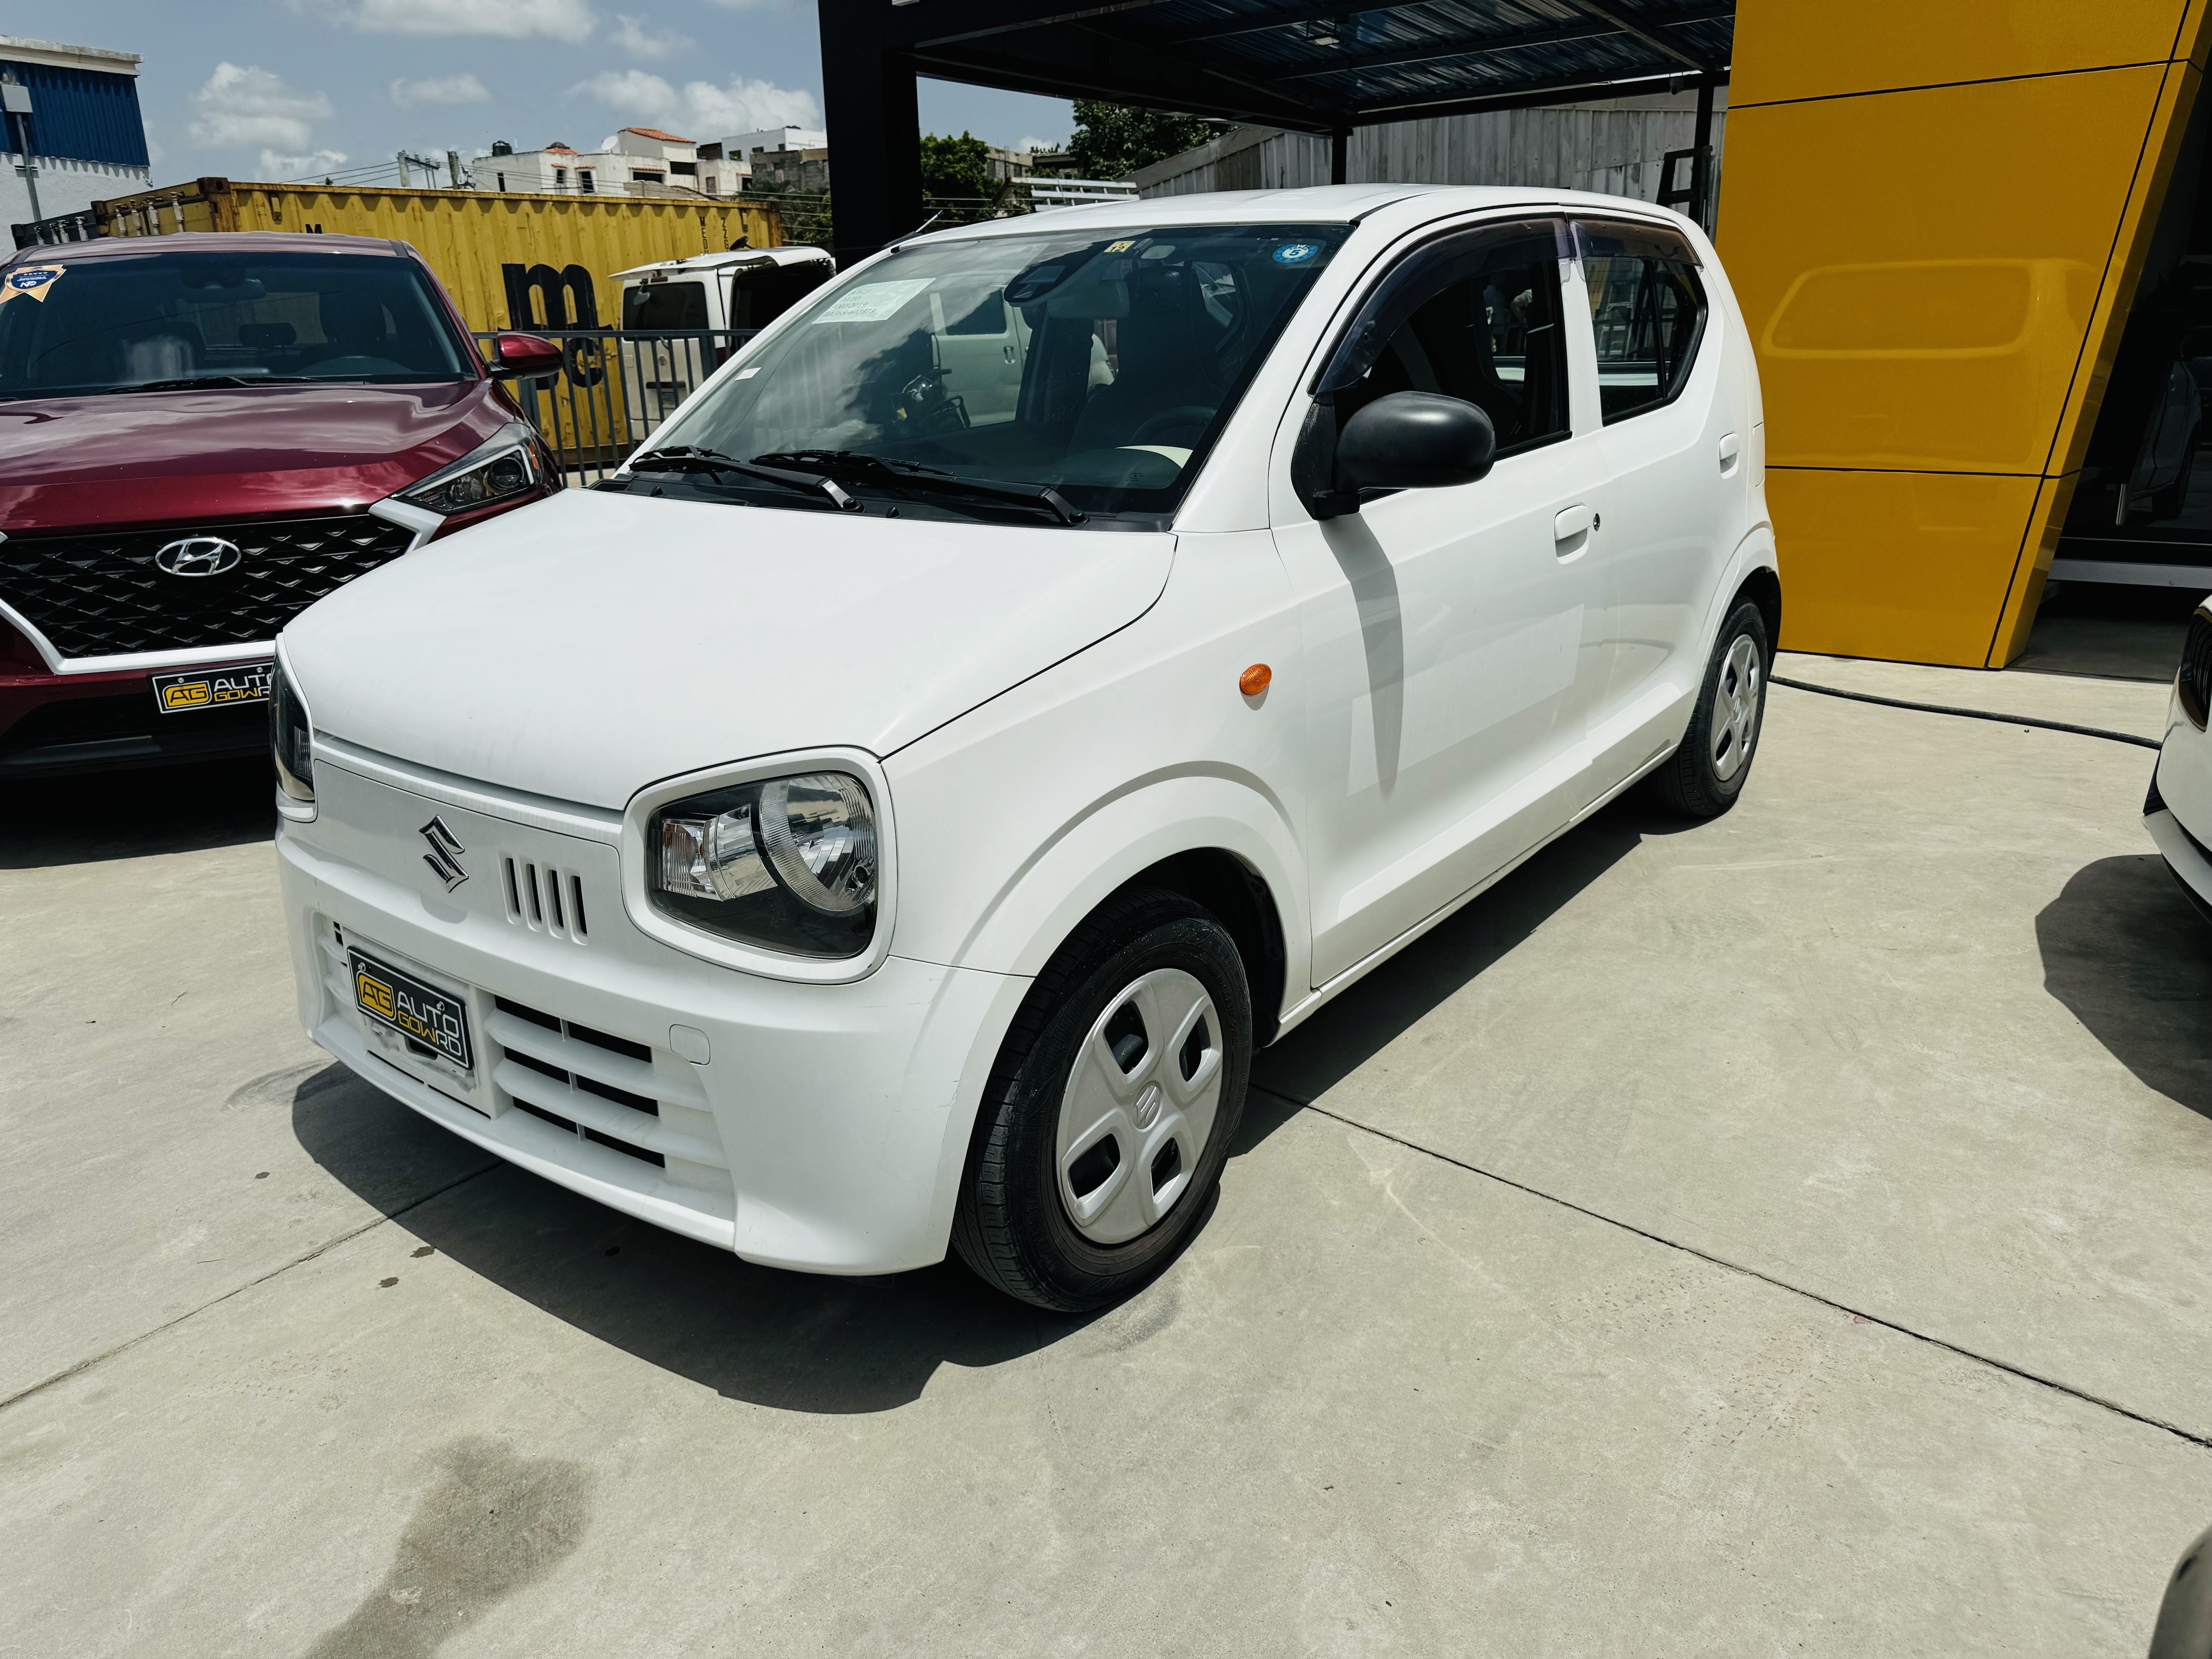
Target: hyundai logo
[198, 555]
[444, 857]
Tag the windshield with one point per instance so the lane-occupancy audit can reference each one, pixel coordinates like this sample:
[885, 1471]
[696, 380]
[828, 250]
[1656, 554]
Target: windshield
[106, 324]
[1101, 364]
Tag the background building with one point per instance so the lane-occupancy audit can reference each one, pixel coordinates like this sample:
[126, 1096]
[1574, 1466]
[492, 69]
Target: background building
[82, 130]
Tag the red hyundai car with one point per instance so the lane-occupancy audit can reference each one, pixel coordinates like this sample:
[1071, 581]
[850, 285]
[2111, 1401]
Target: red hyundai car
[200, 436]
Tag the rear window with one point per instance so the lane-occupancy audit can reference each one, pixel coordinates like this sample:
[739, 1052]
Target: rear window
[115, 324]
[665, 305]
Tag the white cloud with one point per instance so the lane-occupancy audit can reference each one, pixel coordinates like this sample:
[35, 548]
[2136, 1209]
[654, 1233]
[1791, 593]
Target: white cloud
[240, 106]
[1040, 143]
[505, 20]
[282, 167]
[440, 89]
[637, 37]
[755, 5]
[701, 109]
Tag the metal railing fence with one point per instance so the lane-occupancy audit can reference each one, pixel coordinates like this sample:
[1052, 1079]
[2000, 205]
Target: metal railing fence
[615, 387]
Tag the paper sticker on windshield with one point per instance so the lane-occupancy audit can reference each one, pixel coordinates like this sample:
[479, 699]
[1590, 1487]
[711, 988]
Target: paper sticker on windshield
[1295, 253]
[1119, 247]
[32, 281]
[870, 303]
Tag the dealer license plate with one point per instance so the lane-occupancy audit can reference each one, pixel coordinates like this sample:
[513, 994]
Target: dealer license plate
[213, 687]
[428, 1018]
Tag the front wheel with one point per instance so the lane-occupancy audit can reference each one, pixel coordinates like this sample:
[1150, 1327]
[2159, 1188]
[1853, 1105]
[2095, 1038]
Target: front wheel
[1704, 777]
[1110, 1114]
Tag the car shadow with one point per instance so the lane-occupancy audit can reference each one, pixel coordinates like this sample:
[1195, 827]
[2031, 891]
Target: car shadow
[1396, 996]
[2125, 952]
[807, 1343]
[90, 818]
[799, 1342]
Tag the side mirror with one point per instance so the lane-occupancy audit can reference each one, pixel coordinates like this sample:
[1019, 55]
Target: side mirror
[520, 356]
[2184, 1617]
[1414, 441]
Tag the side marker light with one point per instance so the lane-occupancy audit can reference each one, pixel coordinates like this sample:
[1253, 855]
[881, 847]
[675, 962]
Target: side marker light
[1255, 679]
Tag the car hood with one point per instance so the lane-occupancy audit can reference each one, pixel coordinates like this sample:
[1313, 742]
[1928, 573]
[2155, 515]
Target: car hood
[595, 642]
[230, 452]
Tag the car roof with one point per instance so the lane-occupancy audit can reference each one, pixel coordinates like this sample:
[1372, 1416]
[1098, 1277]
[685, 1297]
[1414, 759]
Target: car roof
[796, 253]
[202, 242]
[1308, 204]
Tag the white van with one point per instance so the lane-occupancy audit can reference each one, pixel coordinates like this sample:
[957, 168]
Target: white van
[1047, 665]
[711, 293]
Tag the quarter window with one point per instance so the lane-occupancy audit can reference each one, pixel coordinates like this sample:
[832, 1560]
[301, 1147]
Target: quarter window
[1647, 313]
[1476, 316]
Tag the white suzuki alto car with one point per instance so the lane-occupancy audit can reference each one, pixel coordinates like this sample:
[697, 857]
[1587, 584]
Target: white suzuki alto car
[1054, 659]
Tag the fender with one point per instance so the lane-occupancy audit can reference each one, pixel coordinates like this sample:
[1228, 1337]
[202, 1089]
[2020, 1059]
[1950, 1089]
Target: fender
[1754, 551]
[1128, 831]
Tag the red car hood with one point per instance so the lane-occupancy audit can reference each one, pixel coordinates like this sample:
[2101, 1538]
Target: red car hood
[242, 452]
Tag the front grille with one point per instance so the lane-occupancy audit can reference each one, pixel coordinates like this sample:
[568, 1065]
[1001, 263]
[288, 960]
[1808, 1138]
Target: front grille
[100, 594]
[543, 899]
[2195, 680]
[606, 1090]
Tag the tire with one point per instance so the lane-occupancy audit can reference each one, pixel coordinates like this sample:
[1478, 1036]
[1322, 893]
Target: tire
[1704, 776]
[1096, 1156]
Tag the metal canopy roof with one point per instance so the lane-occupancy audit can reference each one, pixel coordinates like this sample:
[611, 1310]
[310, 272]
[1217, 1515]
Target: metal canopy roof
[1302, 66]
[1321, 68]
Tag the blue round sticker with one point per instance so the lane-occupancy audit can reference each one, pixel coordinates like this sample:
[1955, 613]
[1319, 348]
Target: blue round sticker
[35, 277]
[1295, 253]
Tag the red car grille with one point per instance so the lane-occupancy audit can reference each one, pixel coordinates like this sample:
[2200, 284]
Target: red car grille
[102, 595]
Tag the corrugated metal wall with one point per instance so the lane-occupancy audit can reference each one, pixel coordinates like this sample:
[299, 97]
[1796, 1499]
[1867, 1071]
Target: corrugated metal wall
[81, 113]
[1617, 148]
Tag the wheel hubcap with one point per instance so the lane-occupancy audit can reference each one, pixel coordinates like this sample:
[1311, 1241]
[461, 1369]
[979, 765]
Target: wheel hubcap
[1138, 1107]
[1734, 725]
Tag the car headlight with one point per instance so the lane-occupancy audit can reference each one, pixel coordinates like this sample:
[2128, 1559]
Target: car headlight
[291, 739]
[509, 465]
[789, 864]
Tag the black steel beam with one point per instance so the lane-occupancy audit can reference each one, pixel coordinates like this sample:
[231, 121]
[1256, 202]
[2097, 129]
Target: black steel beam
[1646, 30]
[868, 98]
[1278, 20]
[1078, 62]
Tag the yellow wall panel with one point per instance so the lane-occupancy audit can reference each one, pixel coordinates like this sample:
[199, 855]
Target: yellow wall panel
[1919, 270]
[1820, 48]
[1908, 566]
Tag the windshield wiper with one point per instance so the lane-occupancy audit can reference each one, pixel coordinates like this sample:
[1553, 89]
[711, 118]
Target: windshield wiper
[186, 382]
[690, 457]
[852, 466]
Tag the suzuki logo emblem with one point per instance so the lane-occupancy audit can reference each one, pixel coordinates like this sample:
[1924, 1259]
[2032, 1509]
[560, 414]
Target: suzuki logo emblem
[198, 555]
[444, 857]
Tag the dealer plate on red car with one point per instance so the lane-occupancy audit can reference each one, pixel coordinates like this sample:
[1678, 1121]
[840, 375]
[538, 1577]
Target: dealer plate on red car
[427, 1018]
[213, 687]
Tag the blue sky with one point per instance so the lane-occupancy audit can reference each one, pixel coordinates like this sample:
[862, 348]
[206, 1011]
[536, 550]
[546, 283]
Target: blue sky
[283, 88]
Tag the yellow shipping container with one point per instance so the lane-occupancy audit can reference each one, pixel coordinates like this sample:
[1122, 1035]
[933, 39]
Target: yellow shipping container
[510, 259]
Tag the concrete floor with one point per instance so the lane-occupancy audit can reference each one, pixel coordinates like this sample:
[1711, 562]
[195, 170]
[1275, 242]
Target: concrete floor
[1784, 1234]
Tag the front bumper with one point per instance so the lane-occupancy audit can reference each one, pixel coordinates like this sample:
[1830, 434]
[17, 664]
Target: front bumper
[2177, 811]
[816, 1127]
[58, 724]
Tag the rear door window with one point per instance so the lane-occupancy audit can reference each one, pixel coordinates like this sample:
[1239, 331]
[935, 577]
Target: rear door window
[1647, 313]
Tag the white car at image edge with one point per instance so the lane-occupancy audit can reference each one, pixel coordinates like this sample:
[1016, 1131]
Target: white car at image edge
[2178, 812]
[1050, 662]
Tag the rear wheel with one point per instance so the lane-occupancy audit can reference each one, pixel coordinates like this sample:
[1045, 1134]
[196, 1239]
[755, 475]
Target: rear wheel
[1704, 777]
[1110, 1114]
